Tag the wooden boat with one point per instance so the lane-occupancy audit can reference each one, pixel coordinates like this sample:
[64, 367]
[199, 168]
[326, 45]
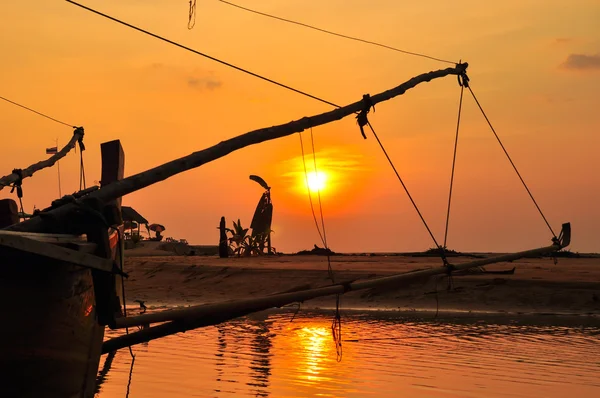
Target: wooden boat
[60, 281]
[58, 291]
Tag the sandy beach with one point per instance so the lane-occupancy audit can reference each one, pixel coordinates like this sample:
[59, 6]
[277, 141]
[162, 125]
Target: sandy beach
[538, 286]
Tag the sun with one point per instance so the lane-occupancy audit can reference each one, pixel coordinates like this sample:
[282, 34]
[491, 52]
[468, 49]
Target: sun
[316, 181]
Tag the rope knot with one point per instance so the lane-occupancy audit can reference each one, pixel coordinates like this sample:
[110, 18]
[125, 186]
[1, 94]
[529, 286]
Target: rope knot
[361, 118]
[463, 79]
[18, 182]
[80, 131]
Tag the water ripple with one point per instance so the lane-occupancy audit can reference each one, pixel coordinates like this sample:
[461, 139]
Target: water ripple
[385, 356]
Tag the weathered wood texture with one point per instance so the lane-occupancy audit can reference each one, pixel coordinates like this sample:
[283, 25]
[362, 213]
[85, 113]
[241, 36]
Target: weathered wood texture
[139, 181]
[46, 251]
[48, 324]
[29, 171]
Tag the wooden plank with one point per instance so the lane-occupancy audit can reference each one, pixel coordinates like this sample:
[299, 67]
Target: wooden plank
[55, 252]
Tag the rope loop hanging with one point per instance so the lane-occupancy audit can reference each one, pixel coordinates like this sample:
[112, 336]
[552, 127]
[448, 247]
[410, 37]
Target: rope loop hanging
[17, 185]
[192, 15]
[81, 132]
[361, 118]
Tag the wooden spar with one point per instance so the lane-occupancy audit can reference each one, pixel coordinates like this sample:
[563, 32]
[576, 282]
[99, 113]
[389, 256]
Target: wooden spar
[136, 182]
[49, 251]
[28, 172]
[181, 320]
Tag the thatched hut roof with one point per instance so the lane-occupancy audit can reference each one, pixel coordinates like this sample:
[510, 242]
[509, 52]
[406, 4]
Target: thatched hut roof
[129, 214]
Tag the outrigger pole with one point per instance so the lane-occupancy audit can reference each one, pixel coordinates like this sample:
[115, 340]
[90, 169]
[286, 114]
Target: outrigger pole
[29, 171]
[139, 181]
[181, 320]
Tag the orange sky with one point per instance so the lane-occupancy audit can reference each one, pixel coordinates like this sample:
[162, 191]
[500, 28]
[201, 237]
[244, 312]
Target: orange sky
[535, 67]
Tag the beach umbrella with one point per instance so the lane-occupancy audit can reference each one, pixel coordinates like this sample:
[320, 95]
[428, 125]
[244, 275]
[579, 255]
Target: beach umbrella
[156, 227]
[130, 225]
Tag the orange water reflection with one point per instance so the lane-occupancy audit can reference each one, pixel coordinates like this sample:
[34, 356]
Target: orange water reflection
[267, 355]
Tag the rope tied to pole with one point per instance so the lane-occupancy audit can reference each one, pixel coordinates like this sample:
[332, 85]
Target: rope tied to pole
[80, 131]
[18, 186]
[361, 117]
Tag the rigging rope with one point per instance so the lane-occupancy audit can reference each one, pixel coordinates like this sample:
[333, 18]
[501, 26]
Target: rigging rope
[329, 269]
[17, 185]
[511, 162]
[336, 34]
[462, 87]
[36, 112]
[81, 167]
[312, 208]
[362, 121]
[192, 15]
[336, 323]
[203, 54]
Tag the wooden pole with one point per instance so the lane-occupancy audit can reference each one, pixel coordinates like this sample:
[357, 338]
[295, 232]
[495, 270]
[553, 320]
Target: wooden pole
[58, 167]
[180, 320]
[28, 172]
[197, 159]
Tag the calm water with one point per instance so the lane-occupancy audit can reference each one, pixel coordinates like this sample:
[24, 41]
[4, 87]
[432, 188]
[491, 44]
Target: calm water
[383, 356]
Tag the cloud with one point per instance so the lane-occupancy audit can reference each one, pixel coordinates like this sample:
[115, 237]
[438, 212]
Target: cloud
[204, 82]
[563, 40]
[196, 79]
[582, 62]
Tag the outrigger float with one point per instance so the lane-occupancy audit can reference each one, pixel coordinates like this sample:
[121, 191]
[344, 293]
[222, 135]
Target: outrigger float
[61, 276]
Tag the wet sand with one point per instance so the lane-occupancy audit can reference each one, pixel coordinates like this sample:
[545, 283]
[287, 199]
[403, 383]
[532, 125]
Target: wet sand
[537, 286]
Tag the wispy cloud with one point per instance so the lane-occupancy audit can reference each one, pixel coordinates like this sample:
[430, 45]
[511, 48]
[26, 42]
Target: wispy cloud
[582, 62]
[204, 82]
[336, 161]
[196, 79]
[563, 40]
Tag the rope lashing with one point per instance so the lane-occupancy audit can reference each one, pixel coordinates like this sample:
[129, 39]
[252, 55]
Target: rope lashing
[18, 186]
[192, 15]
[18, 182]
[80, 131]
[361, 118]
[463, 79]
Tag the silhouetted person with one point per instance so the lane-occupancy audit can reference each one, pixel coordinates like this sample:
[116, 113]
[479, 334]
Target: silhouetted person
[223, 248]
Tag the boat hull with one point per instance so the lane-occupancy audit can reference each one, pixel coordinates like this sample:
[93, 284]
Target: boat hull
[50, 340]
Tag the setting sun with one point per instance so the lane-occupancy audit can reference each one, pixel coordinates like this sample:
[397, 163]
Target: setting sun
[316, 181]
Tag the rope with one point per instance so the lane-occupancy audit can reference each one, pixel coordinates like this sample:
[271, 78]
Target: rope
[17, 185]
[442, 251]
[329, 269]
[312, 208]
[336, 329]
[336, 324]
[36, 112]
[122, 266]
[202, 54]
[81, 167]
[336, 34]
[192, 15]
[453, 165]
[511, 162]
